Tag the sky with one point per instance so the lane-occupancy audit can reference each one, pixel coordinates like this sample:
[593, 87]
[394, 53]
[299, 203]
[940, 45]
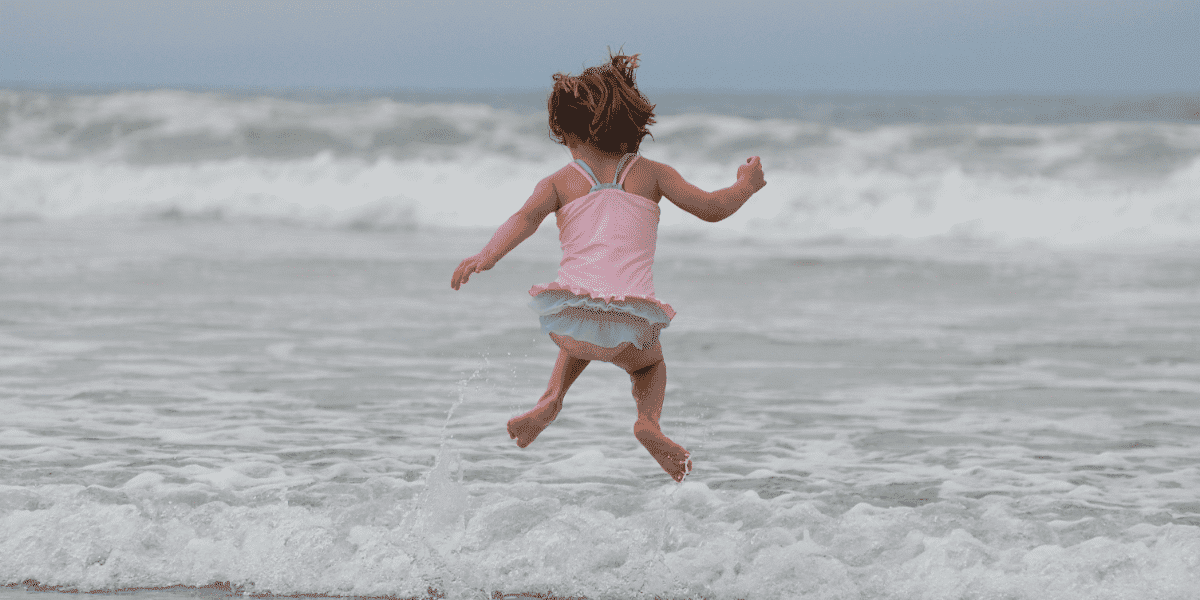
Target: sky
[964, 46]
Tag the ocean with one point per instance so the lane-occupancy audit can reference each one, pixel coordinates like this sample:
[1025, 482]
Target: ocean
[951, 351]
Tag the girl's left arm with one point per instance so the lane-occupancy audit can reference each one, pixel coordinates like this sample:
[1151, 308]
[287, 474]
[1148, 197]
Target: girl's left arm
[515, 230]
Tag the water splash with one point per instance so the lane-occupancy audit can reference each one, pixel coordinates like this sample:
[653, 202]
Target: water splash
[436, 524]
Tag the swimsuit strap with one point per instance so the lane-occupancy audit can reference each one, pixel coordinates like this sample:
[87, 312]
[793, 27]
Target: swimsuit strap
[628, 168]
[618, 181]
[586, 170]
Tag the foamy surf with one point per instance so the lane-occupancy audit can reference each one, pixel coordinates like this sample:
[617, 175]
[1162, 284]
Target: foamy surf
[690, 541]
[389, 164]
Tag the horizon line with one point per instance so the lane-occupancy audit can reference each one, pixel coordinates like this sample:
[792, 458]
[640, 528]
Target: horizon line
[332, 90]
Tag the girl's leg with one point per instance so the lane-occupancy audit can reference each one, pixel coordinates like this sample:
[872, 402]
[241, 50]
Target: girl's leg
[588, 350]
[525, 428]
[648, 372]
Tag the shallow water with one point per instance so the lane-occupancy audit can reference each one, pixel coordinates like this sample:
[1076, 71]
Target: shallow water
[312, 410]
[950, 351]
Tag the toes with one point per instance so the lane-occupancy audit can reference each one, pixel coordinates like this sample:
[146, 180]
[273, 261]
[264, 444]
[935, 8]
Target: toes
[685, 468]
[678, 466]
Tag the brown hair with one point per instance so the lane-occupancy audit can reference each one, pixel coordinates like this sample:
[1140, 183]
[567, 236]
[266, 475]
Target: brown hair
[601, 106]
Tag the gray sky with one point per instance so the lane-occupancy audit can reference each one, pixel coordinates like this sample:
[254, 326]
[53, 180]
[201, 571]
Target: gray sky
[973, 46]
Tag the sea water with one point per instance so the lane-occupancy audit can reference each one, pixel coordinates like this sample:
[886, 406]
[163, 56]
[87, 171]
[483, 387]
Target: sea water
[950, 351]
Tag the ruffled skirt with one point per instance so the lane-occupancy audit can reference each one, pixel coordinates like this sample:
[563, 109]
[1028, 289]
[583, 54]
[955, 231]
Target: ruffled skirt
[605, 324]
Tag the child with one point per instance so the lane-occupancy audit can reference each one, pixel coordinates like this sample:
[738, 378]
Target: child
[602, 306]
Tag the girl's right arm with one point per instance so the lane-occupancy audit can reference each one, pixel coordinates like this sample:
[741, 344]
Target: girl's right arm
[515, 230]
[712, 206]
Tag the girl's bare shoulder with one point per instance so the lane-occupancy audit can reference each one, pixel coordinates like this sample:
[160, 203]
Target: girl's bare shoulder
[568, 183]
[651, 165]
[650, 176]
[655, 171]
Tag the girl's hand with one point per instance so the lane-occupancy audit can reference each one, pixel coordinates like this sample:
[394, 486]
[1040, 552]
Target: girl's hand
[475, 264]
[752, 173]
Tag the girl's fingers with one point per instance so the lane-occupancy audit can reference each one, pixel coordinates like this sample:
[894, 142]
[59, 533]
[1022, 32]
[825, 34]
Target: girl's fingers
[464, 271]
[460, 275]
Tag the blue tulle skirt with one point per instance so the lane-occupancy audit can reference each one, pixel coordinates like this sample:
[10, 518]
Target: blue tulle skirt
[605, 324]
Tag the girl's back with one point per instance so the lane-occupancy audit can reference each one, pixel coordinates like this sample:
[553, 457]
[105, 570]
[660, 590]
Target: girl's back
[641, 179]
[654, 180]
[608, 238]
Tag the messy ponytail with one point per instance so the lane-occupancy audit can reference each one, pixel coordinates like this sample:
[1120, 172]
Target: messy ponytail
[601, 106]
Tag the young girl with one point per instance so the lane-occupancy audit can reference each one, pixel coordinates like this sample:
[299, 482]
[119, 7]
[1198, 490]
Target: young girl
[602, 307]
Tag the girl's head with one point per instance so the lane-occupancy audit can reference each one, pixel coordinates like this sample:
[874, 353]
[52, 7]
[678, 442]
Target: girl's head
[601, 106]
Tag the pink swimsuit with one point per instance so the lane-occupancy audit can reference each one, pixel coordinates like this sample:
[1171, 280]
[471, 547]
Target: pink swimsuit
[604, 293]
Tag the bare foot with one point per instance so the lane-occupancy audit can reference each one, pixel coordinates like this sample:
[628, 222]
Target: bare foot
[672, 457]
[525, 428]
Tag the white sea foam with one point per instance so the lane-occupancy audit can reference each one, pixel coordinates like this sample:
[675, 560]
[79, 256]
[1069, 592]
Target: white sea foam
[686, 541]
[382, 163]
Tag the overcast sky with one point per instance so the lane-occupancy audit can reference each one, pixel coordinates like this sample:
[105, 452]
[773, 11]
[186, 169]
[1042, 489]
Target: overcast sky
[973, 46]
